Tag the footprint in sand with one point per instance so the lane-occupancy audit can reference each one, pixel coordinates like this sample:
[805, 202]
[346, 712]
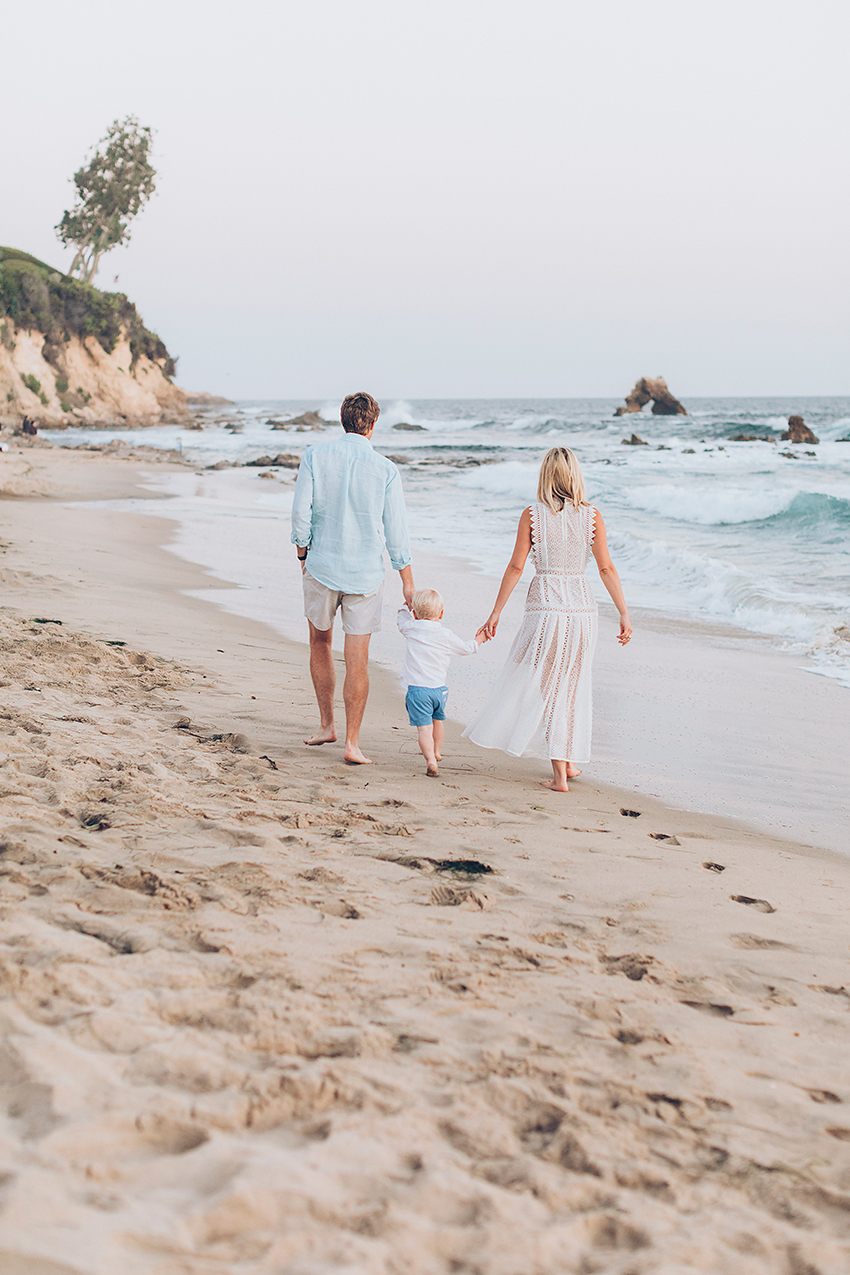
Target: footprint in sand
[707, 1007]
[756, 941]
[630, 964]
[760, 905]
[715, 867]
[630, 814]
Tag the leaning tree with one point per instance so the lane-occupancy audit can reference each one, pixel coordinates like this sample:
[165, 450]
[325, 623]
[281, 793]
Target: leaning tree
[111, 190]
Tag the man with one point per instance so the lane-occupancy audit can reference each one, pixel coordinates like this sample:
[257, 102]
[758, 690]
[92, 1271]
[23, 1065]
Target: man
[348, 503]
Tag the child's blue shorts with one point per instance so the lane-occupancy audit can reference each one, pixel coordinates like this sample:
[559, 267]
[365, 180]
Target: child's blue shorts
[426, 704]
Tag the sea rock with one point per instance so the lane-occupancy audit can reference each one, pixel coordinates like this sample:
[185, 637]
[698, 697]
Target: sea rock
[286, 460]
[843, 440]
[307, 420]
[798, 432]
[634, 441]
[751, 438]
[404, 425]
[652, 389]
[199, 398]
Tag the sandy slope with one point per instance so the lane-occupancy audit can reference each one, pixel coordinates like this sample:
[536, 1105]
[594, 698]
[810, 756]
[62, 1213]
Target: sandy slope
[252, 1023]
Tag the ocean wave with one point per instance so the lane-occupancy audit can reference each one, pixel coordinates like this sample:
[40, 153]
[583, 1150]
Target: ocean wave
[723, 505]
[506, 478]
[678, 579]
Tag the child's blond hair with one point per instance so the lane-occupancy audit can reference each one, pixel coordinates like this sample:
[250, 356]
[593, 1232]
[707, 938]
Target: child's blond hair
[426, 604]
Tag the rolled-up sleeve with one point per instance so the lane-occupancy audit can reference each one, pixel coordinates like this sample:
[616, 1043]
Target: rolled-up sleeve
[302, 504]
[395, 523]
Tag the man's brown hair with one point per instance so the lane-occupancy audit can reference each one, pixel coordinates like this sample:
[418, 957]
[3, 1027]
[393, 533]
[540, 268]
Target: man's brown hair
[358, 413]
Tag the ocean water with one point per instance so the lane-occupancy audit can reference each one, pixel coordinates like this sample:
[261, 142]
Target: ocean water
[750, 535]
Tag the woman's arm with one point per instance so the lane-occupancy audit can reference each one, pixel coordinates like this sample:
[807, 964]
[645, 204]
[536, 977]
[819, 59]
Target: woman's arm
[511, 578]
[608, 576]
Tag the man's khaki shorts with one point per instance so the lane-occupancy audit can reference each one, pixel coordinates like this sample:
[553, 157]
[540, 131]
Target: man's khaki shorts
[361, 612]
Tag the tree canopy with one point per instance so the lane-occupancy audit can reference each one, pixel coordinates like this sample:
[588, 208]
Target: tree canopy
[112, 189]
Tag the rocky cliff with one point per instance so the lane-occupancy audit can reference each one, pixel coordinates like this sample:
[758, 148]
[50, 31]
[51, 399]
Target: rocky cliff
[73, 355]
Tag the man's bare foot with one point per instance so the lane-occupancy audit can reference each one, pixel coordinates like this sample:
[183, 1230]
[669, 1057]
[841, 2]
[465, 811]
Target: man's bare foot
[354, 757]
[326, 735]
[433, 772]
[572, 771]
[553, 786]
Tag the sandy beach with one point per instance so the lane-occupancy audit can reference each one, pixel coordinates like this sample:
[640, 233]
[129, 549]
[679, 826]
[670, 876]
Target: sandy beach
[264, 1014]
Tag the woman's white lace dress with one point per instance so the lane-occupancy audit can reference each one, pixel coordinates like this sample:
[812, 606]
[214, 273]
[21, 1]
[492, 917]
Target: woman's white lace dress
[541, 706]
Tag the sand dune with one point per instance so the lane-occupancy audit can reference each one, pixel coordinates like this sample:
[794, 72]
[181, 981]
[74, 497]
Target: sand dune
[263, 1014]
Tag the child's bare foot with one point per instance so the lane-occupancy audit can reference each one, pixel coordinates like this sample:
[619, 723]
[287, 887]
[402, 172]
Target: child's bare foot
[354, 757]
[553, 786]
[433, 772]
[439, 756]
[326, 735]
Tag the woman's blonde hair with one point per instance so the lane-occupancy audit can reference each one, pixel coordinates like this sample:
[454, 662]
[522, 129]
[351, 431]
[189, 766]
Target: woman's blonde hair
[426, 604]
[561, 480]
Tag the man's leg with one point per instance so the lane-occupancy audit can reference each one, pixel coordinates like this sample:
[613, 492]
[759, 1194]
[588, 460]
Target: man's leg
[355, 692]
[324, 682]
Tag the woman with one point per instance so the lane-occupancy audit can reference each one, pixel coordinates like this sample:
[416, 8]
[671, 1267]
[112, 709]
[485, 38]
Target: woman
[541, 705]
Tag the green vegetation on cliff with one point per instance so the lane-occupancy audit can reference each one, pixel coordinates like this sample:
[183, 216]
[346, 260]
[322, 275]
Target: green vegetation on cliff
[39, 298]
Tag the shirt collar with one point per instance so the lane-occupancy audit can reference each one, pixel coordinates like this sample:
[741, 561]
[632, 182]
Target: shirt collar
[360, 437]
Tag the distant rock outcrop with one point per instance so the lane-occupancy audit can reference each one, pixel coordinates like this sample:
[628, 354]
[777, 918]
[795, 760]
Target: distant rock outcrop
[72, 355]
[199, 398]
[652, 390]
[307, 420]
[286, 460]
[798, 432]
[634, 441]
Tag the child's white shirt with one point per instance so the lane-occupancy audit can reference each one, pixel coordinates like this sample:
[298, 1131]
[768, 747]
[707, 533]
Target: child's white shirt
[430, 647]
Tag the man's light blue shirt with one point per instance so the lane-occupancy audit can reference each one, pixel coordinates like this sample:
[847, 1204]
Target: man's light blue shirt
[348, 505]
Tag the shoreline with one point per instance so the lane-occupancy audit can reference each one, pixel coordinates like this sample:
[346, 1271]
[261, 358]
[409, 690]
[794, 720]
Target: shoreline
[702, 716]
[253, 1021]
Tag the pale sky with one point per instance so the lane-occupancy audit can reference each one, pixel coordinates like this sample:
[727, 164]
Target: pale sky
[458, 198]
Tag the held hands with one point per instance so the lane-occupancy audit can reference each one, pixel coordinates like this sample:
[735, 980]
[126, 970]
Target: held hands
[488, 628]
[624, 636]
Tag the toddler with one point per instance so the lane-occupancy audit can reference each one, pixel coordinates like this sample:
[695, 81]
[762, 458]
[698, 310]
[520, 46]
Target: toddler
[429, 649]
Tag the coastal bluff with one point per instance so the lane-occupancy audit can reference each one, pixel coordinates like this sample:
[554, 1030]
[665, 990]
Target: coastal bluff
[73, 355]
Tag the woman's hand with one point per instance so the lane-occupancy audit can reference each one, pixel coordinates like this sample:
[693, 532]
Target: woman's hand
[625, 630]
[488, 628]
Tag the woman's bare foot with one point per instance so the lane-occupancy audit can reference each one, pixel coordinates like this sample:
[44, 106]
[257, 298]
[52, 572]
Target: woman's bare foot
[433, 772]
[553, 785]
[354, 757]
[325, 735]
[572, 771]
